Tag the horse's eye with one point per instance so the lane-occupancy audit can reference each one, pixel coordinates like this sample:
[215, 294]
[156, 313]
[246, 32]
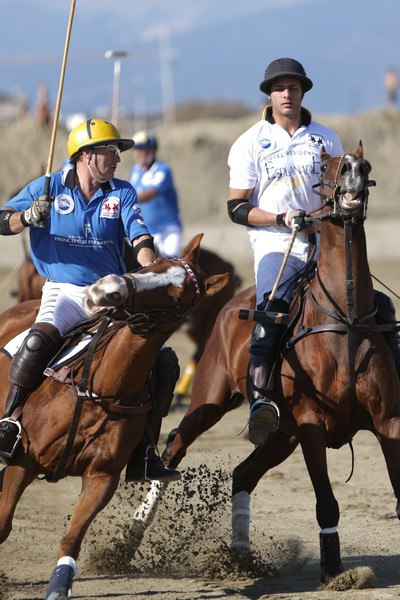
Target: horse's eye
[344, 169]
[366, 167]
[323, 167]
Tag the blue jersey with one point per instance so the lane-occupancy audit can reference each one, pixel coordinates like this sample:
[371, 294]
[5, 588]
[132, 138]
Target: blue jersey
[81, 242]
[163, 209]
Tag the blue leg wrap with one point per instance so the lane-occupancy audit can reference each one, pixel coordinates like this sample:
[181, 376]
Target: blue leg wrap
[60, 583]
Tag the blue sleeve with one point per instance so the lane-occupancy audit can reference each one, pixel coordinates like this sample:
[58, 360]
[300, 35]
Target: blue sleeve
[131, 214]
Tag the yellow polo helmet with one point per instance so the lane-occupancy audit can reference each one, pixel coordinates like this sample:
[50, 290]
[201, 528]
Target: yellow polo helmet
[95, 132]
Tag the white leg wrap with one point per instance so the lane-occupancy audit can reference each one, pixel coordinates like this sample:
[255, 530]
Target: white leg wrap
[147, 510]
[68, 560]
[241, 521]
[329, 530]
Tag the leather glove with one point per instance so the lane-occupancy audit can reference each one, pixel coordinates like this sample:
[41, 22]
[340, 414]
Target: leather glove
[295, 219]
[38, 211]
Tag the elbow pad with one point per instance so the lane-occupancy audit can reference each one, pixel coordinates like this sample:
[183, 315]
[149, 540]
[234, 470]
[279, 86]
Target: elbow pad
[238, 211]
[5, 222]
[146, 243]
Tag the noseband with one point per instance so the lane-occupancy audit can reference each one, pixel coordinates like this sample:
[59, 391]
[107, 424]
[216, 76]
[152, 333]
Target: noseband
[333, 200]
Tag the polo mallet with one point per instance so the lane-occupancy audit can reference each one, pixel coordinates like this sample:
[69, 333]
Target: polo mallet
[263, 316]
[283, 265]
[46, 189]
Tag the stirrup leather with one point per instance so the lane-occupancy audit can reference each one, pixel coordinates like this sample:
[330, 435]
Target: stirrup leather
[9, 453]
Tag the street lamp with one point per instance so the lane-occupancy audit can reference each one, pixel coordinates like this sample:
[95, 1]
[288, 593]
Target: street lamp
[116, 55]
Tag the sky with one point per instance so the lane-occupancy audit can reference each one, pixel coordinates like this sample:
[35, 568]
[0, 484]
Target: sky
[208, 50]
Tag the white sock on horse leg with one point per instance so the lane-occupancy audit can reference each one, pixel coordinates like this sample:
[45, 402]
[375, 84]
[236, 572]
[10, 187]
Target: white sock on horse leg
[68, 560]
[328, 530]
[241, 521]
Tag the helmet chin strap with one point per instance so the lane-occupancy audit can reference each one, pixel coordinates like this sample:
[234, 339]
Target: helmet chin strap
[92, 172]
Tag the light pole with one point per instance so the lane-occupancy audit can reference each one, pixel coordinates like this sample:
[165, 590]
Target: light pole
[116, 55]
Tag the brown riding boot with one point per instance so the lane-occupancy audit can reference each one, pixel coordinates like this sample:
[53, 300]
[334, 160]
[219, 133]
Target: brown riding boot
[26, 373]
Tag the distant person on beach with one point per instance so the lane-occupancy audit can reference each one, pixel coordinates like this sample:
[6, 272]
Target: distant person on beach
[391, 86]
[43, 111]
[155, 187]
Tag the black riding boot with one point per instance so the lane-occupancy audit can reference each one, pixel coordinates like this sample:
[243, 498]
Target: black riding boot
[26, 373]
[144, 463]
[264, 412]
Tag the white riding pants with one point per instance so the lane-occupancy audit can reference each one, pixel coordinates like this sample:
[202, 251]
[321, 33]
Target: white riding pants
[62, 306]
[269, 249]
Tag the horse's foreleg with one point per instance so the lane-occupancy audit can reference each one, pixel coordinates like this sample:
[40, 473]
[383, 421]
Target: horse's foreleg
[245, 478]
[312, 440]
[97, 491]
[16, 479]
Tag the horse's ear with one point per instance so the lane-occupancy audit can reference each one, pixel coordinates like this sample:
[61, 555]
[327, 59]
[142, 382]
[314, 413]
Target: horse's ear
[191, 250]
[324, 155]
[360, 150]
[215, 283]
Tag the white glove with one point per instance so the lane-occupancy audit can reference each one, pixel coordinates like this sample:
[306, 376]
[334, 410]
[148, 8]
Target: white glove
[295, 219]
[38, 211]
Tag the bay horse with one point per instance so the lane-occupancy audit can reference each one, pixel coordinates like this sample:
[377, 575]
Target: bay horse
[336, 373]
[113, 398]
[197, 326]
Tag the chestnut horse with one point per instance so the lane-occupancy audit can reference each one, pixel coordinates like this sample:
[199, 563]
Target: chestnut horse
[113, 404]
[337, 373]
[199, 324]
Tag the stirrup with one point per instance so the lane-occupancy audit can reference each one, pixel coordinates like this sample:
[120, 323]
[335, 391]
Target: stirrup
[7, 453]
[263, 420]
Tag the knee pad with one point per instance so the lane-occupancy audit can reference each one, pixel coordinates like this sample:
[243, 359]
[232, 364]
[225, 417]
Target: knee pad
[266, 336]
[33, 356]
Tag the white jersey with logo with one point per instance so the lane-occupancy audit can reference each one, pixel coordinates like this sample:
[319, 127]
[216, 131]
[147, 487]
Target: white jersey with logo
[282, 170]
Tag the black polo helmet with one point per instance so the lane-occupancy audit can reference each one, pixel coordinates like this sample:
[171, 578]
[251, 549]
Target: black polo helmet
[285, 67]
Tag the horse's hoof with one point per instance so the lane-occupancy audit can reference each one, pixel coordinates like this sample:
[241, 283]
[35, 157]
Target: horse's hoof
[240, 548]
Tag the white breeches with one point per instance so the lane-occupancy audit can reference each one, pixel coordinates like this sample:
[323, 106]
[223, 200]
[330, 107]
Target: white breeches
[62, 306]
[269, 249]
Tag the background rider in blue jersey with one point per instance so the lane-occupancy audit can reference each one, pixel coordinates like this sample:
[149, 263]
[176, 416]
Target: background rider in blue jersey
[154, 185]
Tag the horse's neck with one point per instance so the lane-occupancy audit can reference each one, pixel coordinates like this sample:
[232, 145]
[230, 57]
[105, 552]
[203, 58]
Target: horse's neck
[127, 362]
[331, 283]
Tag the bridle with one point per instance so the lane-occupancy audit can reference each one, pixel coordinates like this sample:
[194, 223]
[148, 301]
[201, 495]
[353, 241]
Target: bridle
[351, 324]
[149, 321]
[333, 200]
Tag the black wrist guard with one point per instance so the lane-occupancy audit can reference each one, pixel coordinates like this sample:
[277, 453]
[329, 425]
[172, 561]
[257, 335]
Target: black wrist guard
[238, 211]
[5, 222]
[280, 219]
